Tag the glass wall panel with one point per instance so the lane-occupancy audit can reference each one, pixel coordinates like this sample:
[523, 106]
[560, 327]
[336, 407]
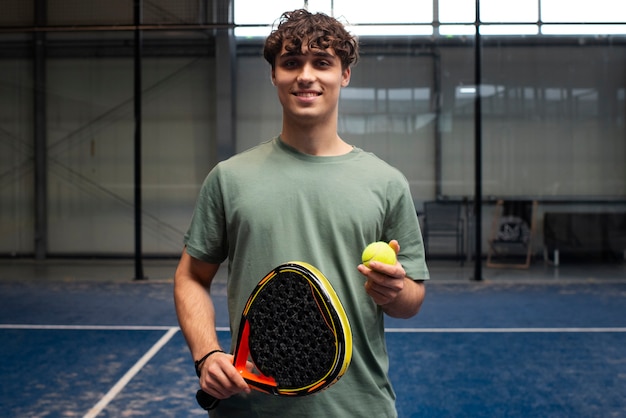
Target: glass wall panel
[583, 11]
[394, 11]
[553, 131]
[517, 11]
[89, 12]
[16, 146]
[91, 129]
[121, 12]
[457, 120]
[179, 141]
[457, 11]
[266, 13]
[176, 12]
[553, 120]
[17, 13]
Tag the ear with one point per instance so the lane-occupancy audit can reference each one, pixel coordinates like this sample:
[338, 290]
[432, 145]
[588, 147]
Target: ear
[345, 77]
[273, 77]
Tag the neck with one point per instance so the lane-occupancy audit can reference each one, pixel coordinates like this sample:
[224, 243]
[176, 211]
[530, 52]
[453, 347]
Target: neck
[316, 139]
[318, 145]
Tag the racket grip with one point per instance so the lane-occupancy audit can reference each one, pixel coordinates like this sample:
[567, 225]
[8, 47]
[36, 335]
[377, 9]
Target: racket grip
[206, 401]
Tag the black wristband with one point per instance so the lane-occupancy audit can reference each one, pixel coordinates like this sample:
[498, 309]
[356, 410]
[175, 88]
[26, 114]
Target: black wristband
[198, 363]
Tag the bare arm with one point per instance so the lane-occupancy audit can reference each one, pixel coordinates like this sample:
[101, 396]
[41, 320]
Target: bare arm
[398, 295]
[196, 316]
[194, 306]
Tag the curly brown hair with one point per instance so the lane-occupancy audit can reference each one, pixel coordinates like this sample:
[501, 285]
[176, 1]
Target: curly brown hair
[319, 30]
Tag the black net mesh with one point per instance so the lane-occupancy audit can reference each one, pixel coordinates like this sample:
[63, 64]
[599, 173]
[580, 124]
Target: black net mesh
[293, 344]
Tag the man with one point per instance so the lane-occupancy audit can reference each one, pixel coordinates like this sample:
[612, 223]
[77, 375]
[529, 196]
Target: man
[306, 195]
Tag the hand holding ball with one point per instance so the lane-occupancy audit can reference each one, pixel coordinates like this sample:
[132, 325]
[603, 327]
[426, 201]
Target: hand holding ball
[378, 251]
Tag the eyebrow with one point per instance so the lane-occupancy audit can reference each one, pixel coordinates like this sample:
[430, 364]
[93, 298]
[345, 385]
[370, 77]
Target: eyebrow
[315, 52]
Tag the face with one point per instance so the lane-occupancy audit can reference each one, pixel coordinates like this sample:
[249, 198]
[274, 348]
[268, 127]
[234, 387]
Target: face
[308, 83]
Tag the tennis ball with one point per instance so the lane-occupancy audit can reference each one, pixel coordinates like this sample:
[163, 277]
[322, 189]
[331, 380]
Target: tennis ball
[378, 251]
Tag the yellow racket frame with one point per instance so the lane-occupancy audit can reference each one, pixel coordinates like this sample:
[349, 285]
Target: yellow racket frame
[342, 330]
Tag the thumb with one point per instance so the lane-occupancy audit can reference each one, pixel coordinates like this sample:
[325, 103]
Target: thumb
[395, 245]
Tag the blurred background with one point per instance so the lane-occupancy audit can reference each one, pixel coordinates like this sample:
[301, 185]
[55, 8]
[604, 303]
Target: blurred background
[112, 113]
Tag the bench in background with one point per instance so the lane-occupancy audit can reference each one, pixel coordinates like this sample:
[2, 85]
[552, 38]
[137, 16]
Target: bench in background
[601, 234]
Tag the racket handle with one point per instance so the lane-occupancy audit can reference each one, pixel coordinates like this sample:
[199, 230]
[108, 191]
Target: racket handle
[206, 401]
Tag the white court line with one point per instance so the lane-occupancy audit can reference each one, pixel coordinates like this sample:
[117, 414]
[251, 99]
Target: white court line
[96, 327]
[88, 327]
[503, 330]
[117, 388]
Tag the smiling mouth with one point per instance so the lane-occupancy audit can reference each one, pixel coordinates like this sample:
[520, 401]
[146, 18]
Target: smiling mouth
[307, 94]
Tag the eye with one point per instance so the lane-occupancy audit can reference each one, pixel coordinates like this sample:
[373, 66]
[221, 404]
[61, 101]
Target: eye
[290, 63]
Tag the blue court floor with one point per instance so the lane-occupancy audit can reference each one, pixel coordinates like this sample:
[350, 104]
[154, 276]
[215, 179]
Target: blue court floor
[82, 339]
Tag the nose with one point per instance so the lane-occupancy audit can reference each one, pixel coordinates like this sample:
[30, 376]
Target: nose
[307, 74]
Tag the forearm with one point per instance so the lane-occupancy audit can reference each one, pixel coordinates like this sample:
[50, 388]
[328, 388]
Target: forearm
[194, 306]
[196, 317]
[409, 300]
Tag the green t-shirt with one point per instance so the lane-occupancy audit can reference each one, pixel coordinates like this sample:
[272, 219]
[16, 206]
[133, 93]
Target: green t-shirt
[272, 204]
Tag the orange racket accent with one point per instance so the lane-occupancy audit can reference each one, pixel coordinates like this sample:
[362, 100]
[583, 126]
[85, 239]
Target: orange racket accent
[241, 360]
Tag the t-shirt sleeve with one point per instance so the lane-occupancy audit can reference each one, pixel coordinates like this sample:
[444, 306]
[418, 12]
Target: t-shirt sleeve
[206, 237]
[402, 225]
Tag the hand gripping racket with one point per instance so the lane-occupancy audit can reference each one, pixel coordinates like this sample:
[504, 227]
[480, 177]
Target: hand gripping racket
[294, 331]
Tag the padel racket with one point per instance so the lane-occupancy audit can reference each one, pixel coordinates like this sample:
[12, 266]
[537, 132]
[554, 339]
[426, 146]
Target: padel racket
[295, 333]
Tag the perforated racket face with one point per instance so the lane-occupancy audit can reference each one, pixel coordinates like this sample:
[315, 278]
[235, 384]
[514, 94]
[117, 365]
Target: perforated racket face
[299, 335]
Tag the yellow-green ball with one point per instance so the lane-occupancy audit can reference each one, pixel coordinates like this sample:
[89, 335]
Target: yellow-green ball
[378, 251]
